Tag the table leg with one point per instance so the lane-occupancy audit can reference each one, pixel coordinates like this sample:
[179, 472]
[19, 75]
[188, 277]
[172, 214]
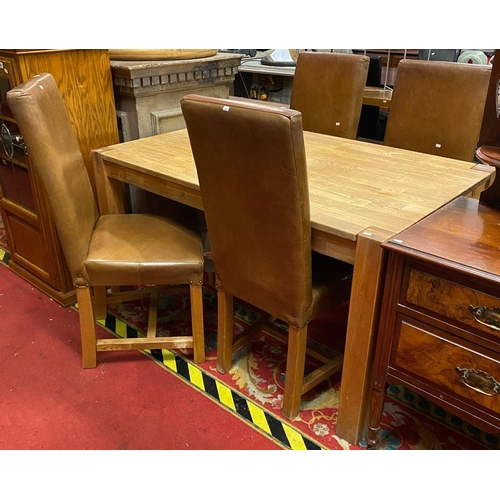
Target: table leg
[110, 192]
[364, 308]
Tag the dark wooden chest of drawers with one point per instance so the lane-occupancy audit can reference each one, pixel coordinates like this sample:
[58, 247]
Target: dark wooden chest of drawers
[439, 329]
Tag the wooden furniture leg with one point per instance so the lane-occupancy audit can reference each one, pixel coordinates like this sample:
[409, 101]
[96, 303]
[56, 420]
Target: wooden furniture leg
[382, 355]
[295, 364]
[87, 327]
[110, 192]
[224, 330]
[362, 325]
[100, 304]
[196, 294]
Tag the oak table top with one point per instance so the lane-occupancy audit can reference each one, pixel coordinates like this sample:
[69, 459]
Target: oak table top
[353, 185]
[361, 194]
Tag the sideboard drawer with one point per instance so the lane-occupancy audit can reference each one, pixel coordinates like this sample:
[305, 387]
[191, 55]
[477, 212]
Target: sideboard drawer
[454, 366]
[454, 301]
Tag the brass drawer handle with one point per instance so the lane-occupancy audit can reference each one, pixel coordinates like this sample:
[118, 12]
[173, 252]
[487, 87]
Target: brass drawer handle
[487, 316]
[479, 381]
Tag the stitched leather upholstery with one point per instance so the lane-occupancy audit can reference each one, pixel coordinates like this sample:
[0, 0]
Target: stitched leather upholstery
[328, 90]
[120, 249]
[437, 108]
[253, 177]
[252, 170]
[108, 250]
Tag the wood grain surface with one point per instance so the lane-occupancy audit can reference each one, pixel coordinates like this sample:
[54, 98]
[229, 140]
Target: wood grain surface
[451, 300]
[353, 185]
[158, 54]
[436, 359]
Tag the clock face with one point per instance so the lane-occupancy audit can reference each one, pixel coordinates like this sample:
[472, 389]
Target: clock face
[6, 139]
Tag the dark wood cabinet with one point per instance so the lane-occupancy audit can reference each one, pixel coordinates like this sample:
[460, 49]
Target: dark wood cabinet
[439, 331]
[84, 78]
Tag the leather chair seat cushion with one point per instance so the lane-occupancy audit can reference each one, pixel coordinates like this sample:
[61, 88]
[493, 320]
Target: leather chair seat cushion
[489, 155]
[331, 283]
[143, 249]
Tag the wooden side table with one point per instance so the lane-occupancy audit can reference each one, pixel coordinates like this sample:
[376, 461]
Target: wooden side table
[439, 331]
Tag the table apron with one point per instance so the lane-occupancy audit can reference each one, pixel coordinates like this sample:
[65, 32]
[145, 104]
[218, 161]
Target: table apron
[174, 191]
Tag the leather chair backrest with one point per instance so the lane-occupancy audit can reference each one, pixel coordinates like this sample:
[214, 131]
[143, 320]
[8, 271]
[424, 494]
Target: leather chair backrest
[328, 90]
[437, 108]
[251, 166]
[56, 158]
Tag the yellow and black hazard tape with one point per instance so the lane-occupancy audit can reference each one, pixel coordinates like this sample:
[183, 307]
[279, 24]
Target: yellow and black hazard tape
[277, 430]
[268, 424]
[4, 256]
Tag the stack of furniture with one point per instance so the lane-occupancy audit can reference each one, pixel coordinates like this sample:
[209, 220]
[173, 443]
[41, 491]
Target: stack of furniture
[390, 59]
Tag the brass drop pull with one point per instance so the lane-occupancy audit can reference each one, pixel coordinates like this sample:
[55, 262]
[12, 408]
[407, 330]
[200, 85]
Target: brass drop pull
[479, 381]
[487, 316]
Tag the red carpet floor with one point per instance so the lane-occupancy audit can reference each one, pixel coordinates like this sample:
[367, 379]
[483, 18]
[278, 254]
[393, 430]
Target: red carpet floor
[132, 402]
[128, 402]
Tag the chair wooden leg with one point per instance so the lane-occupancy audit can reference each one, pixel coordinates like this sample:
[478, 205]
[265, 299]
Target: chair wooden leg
[87, 327]
[295, 365]
[224, 331]
[100, 307]
[196, 293]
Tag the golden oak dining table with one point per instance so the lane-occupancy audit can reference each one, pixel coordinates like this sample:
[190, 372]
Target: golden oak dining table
[361, 194]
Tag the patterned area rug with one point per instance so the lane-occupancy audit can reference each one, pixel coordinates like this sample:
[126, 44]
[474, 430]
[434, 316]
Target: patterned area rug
[253, 389]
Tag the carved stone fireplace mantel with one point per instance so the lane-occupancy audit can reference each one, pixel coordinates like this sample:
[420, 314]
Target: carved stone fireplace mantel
[148, 93]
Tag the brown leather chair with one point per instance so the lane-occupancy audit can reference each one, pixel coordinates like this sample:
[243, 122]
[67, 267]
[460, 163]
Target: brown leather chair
[108, 250]
[437, 108]
[328, 90]
[252, 170]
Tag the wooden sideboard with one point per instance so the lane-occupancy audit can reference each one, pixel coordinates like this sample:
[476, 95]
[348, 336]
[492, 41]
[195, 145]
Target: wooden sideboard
[84, 79]
[439, 331]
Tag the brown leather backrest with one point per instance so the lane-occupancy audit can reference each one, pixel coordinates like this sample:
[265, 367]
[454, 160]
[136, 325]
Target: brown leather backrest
[251, 166]
[328, 90]
[54, 153]
[437, 108]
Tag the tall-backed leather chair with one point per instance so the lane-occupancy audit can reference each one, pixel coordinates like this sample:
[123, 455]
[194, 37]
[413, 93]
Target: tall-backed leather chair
[437, 108]
[328, 90]
[252, 171]
[108, 250]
